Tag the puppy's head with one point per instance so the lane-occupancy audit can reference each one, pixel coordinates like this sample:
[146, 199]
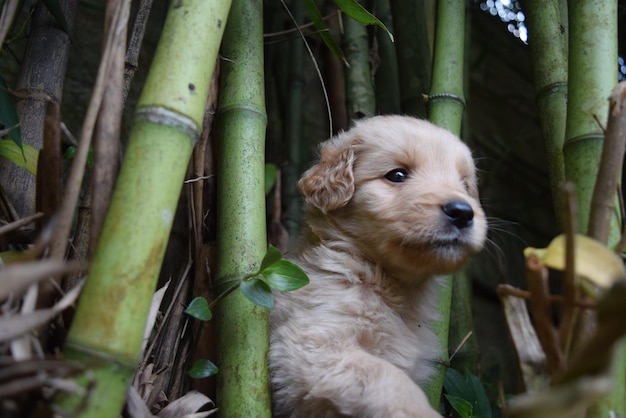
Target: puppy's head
[402, 191]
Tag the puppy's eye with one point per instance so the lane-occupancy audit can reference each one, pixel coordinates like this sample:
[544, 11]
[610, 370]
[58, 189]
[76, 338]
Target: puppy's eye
[397, 175]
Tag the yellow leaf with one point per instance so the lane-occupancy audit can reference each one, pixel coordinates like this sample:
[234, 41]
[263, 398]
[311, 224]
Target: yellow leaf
[593, 261]
[28, 159]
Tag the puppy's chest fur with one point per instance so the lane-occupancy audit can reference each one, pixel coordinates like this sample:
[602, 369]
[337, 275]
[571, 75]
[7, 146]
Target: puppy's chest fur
[351, 301]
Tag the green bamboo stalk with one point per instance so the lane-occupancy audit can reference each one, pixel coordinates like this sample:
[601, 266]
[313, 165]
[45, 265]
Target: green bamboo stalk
[107, 331]
[243, 328]
[548, 48]
[387, 85]
[360, 98]
[592, 75]
[447, 104]
[414, 52]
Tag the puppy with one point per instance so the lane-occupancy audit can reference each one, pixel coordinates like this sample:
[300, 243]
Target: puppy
[392, 205]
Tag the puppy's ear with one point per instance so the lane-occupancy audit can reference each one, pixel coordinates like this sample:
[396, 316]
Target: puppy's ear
[329, 184]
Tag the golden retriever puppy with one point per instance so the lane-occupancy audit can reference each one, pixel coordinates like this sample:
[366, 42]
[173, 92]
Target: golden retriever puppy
[392, 205]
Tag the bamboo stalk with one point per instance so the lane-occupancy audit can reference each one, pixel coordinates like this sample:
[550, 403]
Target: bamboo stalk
[412, 21]
[108, 327]
[548, 47]
[360, 100]
[592, 76]
[243, 329]
[41, 78]
[387, 86]
[446, 110]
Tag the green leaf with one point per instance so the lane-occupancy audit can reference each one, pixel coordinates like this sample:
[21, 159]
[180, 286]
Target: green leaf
[203, 368]
[258, 292]
[8, 115]
[273, 255]
[469, 388]
[320, 25]
[461, 406]
[357, 12]
[199, 309]
[70, 152]
[270, 177]
[285, 276]
[55, 10]
[25, 156]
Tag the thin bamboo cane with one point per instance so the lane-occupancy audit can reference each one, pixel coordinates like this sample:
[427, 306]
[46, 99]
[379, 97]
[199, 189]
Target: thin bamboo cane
[447, 104]
[548, 47]
[360, 101]
[411, 20]
[385, 67]
[108, 327]
[243, 330]
[592, 75]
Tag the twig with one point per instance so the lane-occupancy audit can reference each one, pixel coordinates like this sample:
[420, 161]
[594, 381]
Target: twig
[537, 276]
[505, 289]
[20, 223]
[569, 312]
[461, 344]
[602, 203]
[59, 244]
[297, 28]
[134, 44]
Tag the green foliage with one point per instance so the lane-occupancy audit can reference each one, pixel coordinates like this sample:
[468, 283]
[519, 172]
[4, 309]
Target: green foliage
[257, 291]
[70, 152]
[320, 25]
[203, 368]
[351, 8]
[357, 12]
[275, 273]
[24, 156]
[467, 395]
[199, 309]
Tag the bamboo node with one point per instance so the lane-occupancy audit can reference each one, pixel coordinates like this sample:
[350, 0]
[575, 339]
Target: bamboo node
[446, 96]
[168, 117]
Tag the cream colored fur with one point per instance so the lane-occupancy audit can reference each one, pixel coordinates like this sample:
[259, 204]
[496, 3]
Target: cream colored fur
[356, 341]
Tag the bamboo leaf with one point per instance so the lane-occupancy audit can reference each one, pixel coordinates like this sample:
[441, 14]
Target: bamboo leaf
[55, 10]
[357, 12]
[8, 115]
[199, 309]
[322, 28]
[20, 154]
[284, 275]
[258, 292]
[461, 406]
[468, 388]
[203, 368]
[273, 255]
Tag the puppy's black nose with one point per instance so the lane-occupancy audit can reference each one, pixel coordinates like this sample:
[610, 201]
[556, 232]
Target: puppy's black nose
[459, 213]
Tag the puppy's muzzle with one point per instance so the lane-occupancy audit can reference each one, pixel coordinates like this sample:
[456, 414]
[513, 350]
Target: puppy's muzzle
[458, 213]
